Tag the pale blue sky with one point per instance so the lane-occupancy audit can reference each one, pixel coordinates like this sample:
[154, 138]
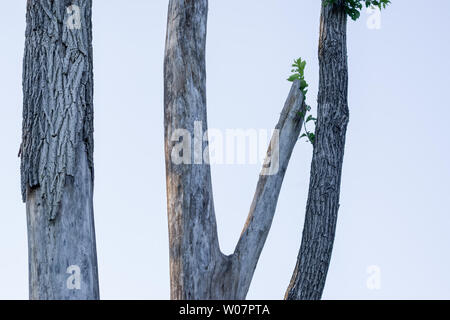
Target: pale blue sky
[395, 208]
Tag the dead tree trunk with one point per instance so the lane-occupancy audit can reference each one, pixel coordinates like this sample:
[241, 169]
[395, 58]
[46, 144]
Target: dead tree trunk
[198, 269]
[57, 150]
[322, 206]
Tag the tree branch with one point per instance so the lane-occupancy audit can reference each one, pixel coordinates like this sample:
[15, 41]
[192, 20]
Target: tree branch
[262, 210]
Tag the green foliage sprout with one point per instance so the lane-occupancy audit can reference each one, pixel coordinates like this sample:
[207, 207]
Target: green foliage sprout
[353, 7]
[299, 74]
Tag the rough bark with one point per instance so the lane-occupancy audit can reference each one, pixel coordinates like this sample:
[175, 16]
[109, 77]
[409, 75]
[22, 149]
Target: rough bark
[198, 269]
[57, 149]
[310, 273]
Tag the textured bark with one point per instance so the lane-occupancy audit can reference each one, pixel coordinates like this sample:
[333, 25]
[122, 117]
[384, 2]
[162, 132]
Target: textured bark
[198, 269]
[310, 273]
[57, 149]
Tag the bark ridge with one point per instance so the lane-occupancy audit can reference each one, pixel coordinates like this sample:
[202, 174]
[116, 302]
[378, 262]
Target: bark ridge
[58, 94]
[308, 280]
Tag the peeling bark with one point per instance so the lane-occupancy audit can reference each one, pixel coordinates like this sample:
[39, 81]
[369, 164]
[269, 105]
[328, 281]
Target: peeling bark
[198, 269]
[310, 273]
[57, 149]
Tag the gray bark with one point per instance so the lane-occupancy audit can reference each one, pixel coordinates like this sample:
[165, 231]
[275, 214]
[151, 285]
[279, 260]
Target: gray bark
[57, 150]
[310, 273]
[198, 269]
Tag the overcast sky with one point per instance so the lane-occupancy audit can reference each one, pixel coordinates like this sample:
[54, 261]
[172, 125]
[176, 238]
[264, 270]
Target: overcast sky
[395, 207]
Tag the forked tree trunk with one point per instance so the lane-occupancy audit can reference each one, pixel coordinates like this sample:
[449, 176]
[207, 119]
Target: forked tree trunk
[198, 269]
[57, 150]
[310, 273]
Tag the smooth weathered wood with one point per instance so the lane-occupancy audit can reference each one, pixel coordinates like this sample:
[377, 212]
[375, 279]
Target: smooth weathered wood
[57, 149]
[310, 273]
[198, 269]
[265, 200]
[196, 263]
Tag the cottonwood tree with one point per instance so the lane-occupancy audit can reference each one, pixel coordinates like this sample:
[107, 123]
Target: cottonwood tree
[198, 269]
[313, 260]
[57, 150]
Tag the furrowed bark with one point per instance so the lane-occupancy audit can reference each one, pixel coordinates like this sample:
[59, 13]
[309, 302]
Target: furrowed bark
[198, 269]
[314, 257]
[57, 150]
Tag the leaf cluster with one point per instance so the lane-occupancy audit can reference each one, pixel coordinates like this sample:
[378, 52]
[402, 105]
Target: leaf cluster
[299, 74]
[353, 7]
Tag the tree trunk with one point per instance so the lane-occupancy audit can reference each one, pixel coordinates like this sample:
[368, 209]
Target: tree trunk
[310, 273]
[57, 150]
[198, 269]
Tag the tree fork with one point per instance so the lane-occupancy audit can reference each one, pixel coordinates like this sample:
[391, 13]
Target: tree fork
[198, 269]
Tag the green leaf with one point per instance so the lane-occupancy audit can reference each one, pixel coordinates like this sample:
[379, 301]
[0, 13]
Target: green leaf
[353, 7]
[310, 118]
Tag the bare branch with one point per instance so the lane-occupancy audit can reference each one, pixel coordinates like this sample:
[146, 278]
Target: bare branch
[262, 210]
